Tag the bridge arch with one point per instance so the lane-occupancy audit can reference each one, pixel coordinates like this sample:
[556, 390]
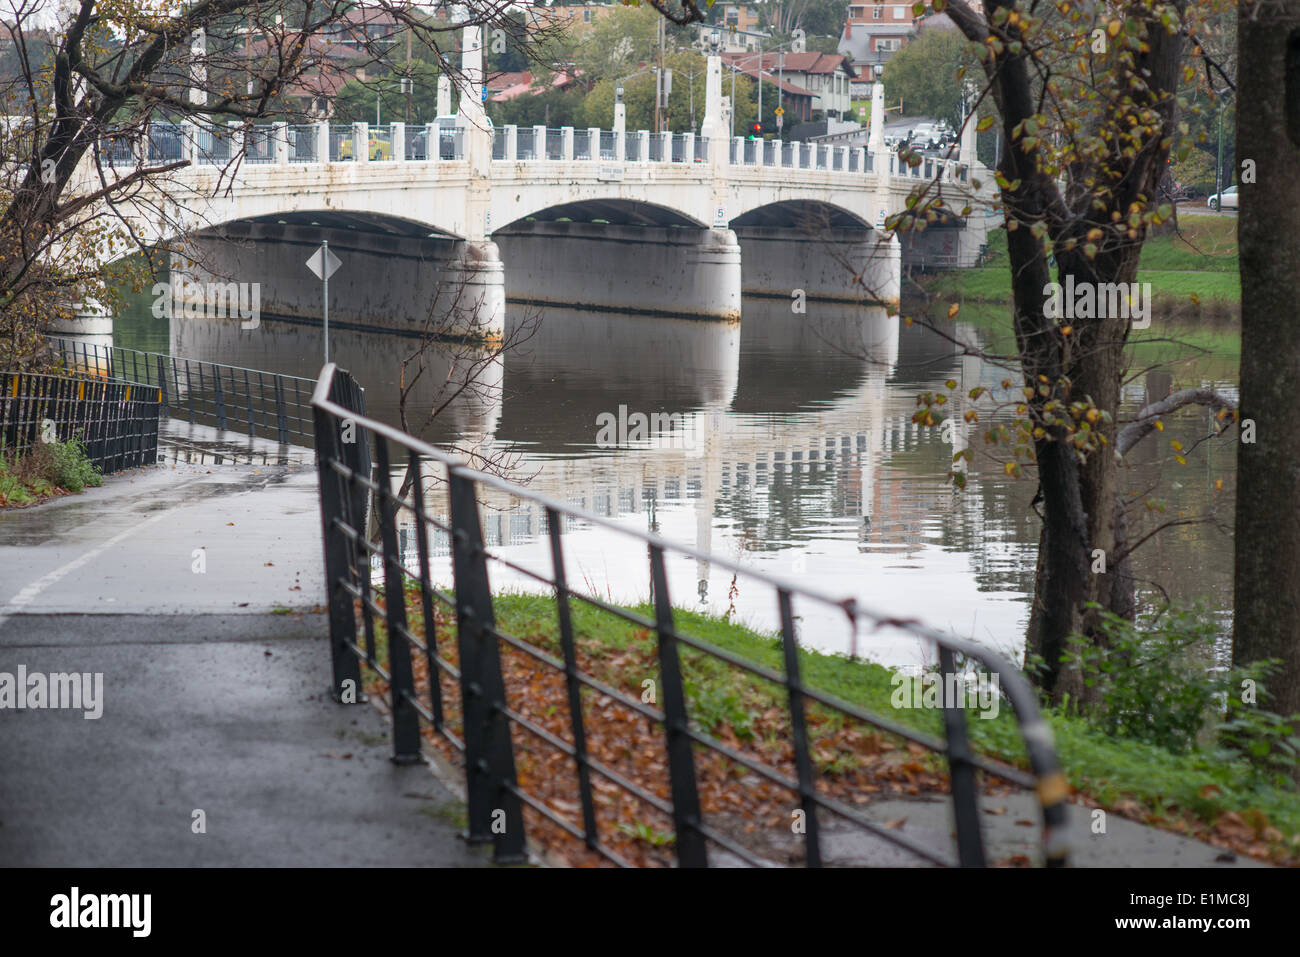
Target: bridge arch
[804, 214]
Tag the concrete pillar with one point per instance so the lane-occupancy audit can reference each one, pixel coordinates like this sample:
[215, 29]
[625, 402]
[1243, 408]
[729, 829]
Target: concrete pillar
[323, 142]
[476, 291]
[593, 134]
[512, 141]
[666, 146]
[620, 145]
[566, 143]
[644, 152]
[620, 117]
[397, 136]
[361, 142]
[876, 136]
[539, 142]
[738, 149]
[472, 119]
[714, 125]
[190, 141]
[967, 152]
[689, 148]
[433, 143]
[444, 95]
[281, 139]
[471, 114]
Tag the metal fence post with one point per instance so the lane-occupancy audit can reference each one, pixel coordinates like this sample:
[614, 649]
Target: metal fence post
[691, 849]
[574, 686]
[970, 845]
[406, 720]
[799, 732]
[343, 622]
[494, 808]
[281, 424]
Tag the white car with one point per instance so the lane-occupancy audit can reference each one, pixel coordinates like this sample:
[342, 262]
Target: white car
[1225, 200]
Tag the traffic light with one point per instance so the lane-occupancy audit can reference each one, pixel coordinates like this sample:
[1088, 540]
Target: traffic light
[757, 129]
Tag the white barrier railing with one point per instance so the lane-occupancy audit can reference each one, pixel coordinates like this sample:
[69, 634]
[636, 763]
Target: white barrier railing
[310, 143]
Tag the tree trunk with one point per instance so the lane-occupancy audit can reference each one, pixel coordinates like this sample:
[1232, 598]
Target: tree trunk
[1267, 571]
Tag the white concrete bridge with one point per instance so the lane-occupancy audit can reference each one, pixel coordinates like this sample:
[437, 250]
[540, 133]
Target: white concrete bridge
[677, 224]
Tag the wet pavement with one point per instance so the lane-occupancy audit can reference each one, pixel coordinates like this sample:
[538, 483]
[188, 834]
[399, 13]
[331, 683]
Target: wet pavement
[184, 594]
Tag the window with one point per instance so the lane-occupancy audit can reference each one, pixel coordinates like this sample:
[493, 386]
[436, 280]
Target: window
[877, 13]
[855, 13]
[586, 16]
[900, 13]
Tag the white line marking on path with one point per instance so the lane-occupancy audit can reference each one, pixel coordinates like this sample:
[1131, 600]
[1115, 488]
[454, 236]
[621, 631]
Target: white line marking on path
[28, 594]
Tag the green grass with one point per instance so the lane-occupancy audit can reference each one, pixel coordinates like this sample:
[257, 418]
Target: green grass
[1108, 769]
[1200, 260]
[44, 470]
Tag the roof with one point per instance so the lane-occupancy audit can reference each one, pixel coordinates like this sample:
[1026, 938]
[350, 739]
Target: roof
[808, 62]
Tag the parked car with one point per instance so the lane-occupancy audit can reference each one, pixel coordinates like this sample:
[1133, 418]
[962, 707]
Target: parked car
[1225, 200]
[447, 136]
[380, 147]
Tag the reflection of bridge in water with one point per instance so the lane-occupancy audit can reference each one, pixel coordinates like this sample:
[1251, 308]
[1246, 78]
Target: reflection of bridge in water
[792, 437]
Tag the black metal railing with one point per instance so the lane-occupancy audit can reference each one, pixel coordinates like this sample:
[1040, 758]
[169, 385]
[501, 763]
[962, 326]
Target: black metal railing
[262, 404]
[117, 422]
[363, 522]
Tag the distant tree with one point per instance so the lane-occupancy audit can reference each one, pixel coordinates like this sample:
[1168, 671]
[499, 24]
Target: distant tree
[924, 75]
[355, 101]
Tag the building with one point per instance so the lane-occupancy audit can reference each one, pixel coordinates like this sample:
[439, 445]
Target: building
[572, 18]
[876, 31]
[824, 77]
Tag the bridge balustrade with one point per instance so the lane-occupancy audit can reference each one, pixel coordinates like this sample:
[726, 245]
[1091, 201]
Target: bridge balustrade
[787, 155]
[837, 158]
[303, 143]
[259, 145]
[608, 144]
[555, 144]
[751, 147]
[582, 144]
[165, 143]
[632, 149]
[656, 149]
[341, 133]
[701, 149]
[525, 148]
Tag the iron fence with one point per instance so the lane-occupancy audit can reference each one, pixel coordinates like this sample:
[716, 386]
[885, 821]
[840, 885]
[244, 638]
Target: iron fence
[364, 523]
[263, 404]
[116, 421]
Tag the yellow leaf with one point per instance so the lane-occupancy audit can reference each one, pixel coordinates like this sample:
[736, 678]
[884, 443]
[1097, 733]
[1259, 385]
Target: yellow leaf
[953, 310]
[1159, 426]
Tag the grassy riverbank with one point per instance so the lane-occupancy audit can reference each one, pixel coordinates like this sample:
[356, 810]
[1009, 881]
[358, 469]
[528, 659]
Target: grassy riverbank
[46, 470]
[1191, 794]
[1195, 267]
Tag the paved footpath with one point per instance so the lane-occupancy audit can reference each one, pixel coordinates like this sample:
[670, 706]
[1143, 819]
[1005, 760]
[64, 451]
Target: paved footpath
[214, 694]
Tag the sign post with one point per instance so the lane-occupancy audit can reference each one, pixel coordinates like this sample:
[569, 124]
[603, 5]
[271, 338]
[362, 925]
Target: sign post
[324, 264]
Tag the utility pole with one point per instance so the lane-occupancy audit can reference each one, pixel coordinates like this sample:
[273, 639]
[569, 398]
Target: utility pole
[661, 105]
[408, 82]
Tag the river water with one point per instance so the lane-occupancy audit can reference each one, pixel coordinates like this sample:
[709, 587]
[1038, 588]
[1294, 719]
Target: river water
[793, 451]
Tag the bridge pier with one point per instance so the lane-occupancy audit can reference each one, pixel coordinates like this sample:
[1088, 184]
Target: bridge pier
[829, 265]
[679, 272]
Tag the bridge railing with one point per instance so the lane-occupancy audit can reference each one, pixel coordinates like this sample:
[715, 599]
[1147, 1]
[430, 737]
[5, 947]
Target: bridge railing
[479, 685]
[262, 404]
[304, 143]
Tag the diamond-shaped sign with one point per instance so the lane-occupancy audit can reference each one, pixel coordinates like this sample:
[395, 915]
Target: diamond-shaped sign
[324, 263]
